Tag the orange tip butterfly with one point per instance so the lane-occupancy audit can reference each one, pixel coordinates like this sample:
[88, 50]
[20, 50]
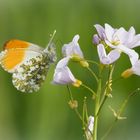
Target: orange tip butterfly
[28, 63]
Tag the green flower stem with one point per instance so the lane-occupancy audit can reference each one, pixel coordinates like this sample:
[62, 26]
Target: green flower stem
[126, 101]
[79, 115]
[93, 74]
[72, 99]
[85, 112]
[85, 118]
[109, 129]
[93, 62]
[97, 104]
[97, 100]
[70, 93]
[102, 103]
[91, 90]
[107, 89]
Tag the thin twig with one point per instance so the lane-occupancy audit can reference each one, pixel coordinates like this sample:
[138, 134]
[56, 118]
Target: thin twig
[93, 62]
[93, 74]
[120, 111]
[72, 99]
[88, 88]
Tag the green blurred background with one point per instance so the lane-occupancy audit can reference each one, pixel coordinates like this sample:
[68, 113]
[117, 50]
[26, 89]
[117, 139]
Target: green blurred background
[45, 115]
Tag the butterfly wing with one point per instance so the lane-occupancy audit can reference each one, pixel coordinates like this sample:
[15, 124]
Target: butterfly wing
[17, 52]
[29, 76]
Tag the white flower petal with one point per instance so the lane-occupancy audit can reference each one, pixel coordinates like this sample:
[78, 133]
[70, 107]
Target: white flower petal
[136, 68]
[133, 55]
[100, 31]
[132, 30]
[62, 73]
[63, 76]
[72, 48]
[75, 39]
[63, 62]
[121, 35]
[101, 52]
[90, 127]
[90, 124]
[130, 37]
[107, 59]
[109, 31]
[114, 55]
[135, 42]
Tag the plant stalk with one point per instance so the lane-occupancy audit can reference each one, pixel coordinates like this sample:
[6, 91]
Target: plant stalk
[97, 104]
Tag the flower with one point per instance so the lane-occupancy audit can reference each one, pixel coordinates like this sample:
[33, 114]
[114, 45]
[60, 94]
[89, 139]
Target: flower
[73, 51]
[119, 40]
[70, 51]
[63, 75]
[90, 127]
[109, 58]
[114, 37]
[135, 69]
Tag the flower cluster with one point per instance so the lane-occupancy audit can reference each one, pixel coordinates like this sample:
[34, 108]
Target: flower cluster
[70, 51]
[112, 42]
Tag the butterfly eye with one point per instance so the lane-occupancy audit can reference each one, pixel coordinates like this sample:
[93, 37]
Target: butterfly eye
[29, 76]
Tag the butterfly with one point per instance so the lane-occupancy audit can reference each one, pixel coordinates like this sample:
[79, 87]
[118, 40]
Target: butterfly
[28, 63]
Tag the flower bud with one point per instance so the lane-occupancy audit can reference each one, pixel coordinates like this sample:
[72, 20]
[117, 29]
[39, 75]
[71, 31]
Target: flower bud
[84, 63]
[96, 39]
[127, 73]
[73, 104]
[90, 128]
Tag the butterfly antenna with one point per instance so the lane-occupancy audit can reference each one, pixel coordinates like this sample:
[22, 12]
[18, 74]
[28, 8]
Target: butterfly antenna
[50, 48]
[51, 39]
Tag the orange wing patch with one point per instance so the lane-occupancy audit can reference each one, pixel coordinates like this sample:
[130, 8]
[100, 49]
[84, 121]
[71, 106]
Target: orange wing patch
[13, 58]
[15, 52]
[16, 44]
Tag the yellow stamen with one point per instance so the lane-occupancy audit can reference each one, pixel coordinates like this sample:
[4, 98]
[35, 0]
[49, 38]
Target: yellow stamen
[77, 83]
[116, 42]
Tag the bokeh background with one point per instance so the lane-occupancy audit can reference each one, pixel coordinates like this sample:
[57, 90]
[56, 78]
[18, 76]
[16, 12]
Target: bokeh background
[45, 115]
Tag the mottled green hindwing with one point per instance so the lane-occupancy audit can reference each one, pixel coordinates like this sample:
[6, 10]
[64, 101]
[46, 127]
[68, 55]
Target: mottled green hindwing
[30, 75]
